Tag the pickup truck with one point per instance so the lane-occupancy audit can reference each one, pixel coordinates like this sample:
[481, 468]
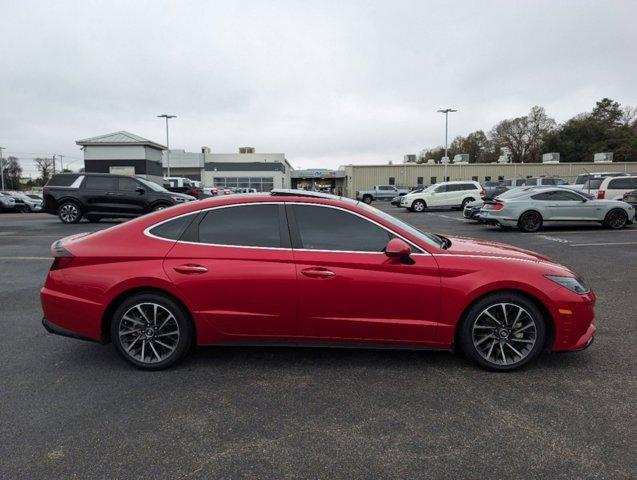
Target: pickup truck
[380, 192]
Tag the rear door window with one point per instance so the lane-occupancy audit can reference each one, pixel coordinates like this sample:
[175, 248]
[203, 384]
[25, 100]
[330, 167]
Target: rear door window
[100, 183]
[242, 226]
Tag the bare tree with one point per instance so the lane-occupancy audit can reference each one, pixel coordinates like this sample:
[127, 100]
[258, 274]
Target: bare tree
[12, 172]
[45, 167]
[523, 136]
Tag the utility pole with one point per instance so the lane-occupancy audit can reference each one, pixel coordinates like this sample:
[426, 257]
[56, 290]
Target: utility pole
[2, 167]
[167, 117]
[446, 112]
[54, 164]
[61, 164]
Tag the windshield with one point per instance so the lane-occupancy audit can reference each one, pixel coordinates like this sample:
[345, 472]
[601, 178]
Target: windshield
[152, 185]
[429, 238]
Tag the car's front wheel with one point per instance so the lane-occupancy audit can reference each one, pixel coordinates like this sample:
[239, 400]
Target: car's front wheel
[151, 331]
[616, 219]
[69, 212]
[418, 206]
[503, 331]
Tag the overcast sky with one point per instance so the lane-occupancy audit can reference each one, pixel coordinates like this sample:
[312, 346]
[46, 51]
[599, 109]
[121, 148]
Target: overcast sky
[326, 82]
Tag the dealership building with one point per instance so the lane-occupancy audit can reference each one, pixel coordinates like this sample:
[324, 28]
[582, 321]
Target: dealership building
[126, 153]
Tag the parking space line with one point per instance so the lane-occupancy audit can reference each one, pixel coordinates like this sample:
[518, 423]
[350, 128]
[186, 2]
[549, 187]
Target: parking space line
[554, 239]
[601, 244]
[26, 258]
[448, 217]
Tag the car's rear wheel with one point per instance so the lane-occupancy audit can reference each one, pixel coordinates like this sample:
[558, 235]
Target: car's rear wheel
[503, 331]
[69, 212]
[151, 331]
[530, 222]
[616, 219]
[418, 206]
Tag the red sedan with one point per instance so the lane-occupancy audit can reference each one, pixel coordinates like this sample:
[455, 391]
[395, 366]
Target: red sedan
[301, 268]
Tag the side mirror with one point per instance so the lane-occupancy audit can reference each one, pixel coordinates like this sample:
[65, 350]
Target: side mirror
[397, 248]
[140, 190]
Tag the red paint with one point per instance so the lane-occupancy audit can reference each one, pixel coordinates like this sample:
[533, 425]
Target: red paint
[244, 294]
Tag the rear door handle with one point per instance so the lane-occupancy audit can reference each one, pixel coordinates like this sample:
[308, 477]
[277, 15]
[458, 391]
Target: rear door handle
[190, 268]
[318, 272]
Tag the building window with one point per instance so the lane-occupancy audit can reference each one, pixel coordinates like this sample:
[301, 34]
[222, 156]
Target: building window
[474, 178]
[392, 180]
[261, 184]
[487, 178]
[447, 179]
[420, 181]
[433, 180]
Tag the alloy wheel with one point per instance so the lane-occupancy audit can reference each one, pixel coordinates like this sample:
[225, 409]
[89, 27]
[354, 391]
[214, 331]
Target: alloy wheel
[69, 213]
[149, 333]
[504, 333]
[418, 206]
[616, 219]
[531, 221]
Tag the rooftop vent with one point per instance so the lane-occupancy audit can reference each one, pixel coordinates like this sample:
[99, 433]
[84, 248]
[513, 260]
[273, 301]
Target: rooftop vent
[603, 157]
[246, 149]
[206, 150]
[551, 158]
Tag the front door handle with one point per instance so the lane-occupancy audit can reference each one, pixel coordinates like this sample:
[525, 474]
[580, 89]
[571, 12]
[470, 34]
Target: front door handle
[318, 272]
[190, 268]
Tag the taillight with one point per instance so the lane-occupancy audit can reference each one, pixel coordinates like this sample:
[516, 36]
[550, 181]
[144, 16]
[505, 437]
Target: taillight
[482, 194]
[62, 258]
[601, 194]
[493, 206]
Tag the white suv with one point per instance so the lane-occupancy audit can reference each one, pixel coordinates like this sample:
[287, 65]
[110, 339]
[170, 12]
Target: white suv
[610, 188]
[443, 194]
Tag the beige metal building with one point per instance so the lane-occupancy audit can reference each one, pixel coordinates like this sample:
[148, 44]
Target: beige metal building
[363, 177]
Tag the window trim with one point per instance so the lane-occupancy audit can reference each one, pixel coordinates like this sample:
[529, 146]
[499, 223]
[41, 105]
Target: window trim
[418, 250]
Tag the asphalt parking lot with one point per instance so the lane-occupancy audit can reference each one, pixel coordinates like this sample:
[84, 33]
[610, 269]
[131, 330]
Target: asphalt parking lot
[72, 409]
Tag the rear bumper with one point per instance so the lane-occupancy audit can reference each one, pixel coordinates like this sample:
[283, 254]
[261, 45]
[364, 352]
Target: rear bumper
[57, 330]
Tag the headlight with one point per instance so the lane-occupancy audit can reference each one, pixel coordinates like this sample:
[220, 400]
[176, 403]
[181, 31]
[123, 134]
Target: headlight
[178, 199]
[576, 285]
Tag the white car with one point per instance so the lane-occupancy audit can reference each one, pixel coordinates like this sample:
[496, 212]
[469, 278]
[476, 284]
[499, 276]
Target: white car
[610, 188]
[443, 194]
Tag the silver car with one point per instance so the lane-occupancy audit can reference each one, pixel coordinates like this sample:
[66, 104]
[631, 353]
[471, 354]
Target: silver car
[529, 208]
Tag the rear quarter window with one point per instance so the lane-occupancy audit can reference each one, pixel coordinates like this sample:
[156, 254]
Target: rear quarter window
[62, 180]
[624, 183]
[172, 229]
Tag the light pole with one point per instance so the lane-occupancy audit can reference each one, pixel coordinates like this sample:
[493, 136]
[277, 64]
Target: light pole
[167, 117]
[446, 112]
[2, 167]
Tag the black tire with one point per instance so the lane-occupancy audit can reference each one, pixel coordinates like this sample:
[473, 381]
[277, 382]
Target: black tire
[181, 320]
[490, 357]
[367, 199]
[530, 221]
[69, 212]
[465, 201]
[616, 219]
[418, 206]
[159, 207]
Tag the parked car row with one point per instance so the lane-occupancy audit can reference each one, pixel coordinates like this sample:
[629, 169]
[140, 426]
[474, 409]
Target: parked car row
[11, 201]
[529, 208]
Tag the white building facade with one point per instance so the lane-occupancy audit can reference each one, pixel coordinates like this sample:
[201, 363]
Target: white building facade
[246, 169]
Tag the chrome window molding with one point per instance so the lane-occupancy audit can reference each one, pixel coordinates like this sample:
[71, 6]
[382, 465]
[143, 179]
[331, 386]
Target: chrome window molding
[420, 250]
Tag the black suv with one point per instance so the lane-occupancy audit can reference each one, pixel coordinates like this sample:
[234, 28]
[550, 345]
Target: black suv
[72, 196]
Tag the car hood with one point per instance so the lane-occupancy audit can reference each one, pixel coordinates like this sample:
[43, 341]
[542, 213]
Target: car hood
[485, 248]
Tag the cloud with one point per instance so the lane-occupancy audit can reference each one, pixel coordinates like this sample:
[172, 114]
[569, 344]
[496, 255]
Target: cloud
[327, 83]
